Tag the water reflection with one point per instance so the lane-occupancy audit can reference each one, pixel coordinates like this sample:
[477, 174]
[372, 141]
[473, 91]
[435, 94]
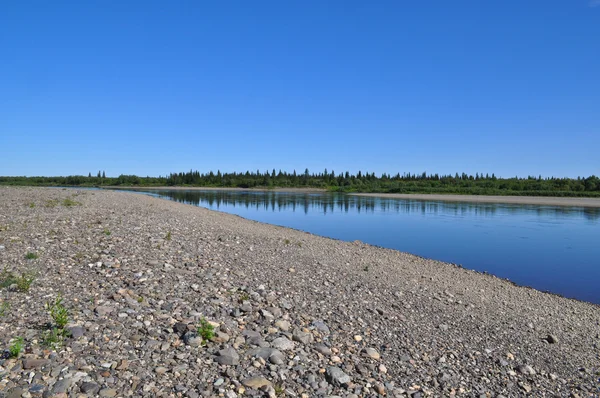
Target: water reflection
[331, 203]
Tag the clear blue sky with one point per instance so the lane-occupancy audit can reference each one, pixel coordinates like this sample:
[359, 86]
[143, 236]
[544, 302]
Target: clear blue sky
[148, 87]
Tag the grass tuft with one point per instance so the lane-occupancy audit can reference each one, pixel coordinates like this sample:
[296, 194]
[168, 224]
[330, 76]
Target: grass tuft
[206, 330]
[16, 347]
[23, 282]
[31, 256]
[70, 203]
[58, 312]
[4, 307]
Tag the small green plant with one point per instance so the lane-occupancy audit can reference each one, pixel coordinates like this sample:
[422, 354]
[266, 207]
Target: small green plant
[140, 299]
[279, 389]
[16, 347]
[23, 282]
[31, 205]
[69, 203]
[206, 330]
[31, 256]
[53, 338]
[168, 236]
[58, 312]
[244, 297]
[286, 241]
[106, 232]
[4, 307]
[51, 203]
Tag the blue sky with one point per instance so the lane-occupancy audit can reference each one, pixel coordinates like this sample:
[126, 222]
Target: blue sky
[148, 87]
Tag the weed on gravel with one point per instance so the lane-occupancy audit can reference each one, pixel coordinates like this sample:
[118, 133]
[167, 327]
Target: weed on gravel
[58, 312]
[31, 256]
[206, 330]
[22, 282]
[4, 307]
[70, 203]
[14, 350]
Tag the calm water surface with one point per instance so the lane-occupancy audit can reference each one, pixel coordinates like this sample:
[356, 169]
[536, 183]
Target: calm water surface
[550, 248]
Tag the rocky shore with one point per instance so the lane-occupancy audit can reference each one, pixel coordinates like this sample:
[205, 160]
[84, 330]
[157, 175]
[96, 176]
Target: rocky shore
[168, 300]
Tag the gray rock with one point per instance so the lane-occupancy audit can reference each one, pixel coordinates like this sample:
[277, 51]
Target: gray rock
[61, 386]
[321, 327]
[283, 325]
[15, 392]
[277, 357]
[552, 339]
[302, 337]
[76, 331]
[371, 353]
[108, 392]
[323, 349]
[34, 363]
[282, 343]
[180, 328]
[89, 388]
[228, 356]
[256, 382]
[261, 352]
[192, 339]
[103, 310]
[336, 376]
[526, 370]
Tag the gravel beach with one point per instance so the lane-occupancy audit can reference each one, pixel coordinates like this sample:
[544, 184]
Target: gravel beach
[170, 300]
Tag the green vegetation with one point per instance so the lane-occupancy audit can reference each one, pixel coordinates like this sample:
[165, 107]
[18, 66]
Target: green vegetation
[51, 203]
[168, 236]
[244, 297]
[106, 232]
[478, 184]
[32, 205]
[286, 241]
[16, 347]
[279, 389]
[206, 330]
[55, 336]
[58, 312]
[23, 282]
[4, 307]
[31, 256]
[69, 203]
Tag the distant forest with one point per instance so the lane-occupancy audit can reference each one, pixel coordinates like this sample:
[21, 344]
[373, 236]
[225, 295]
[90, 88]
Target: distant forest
[478, 184]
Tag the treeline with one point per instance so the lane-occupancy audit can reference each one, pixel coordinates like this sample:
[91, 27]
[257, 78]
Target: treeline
[478, 184]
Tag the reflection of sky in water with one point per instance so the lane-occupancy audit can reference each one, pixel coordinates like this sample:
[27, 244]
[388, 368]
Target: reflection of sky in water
[550, 248]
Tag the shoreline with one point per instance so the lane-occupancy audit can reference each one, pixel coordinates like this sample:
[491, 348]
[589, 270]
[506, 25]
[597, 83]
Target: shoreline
[179, 188]
[519, 200]
[310, 315]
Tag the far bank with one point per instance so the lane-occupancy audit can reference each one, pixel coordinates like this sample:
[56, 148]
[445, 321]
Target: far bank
[521, 200]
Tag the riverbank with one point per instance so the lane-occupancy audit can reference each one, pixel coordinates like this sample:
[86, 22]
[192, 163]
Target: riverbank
[258, 189]
[520, 200]
[294, 314]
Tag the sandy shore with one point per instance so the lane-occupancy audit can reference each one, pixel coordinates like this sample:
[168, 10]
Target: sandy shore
[292, 314]
[531, 200]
